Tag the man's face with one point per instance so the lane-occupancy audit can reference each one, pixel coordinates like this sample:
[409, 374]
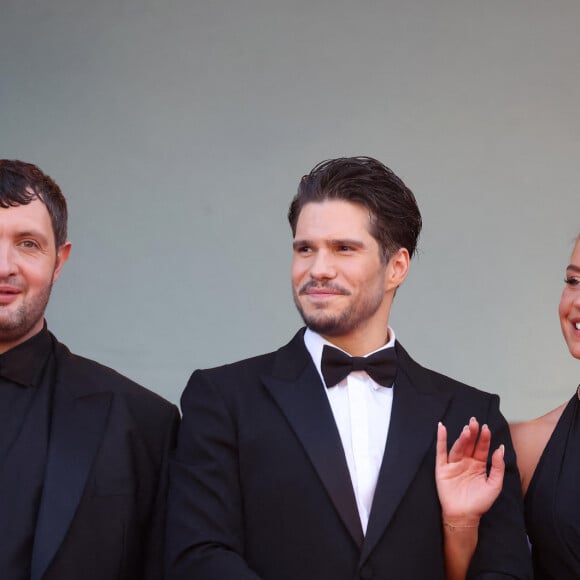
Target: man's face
[569, 309]
[341, 286]
[29, 264]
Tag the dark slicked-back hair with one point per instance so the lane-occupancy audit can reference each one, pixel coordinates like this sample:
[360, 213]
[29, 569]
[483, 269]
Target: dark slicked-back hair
[21, 183]
[395, 217]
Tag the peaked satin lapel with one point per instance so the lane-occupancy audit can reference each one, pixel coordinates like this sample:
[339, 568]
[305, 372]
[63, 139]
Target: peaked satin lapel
[299, 392]
[417, 407]
[77, 428]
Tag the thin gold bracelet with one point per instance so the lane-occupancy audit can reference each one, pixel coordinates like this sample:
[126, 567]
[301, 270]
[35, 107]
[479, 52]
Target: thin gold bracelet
[454, 527]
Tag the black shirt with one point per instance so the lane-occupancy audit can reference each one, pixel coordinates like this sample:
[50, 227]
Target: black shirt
[26, 381]
[21, 370]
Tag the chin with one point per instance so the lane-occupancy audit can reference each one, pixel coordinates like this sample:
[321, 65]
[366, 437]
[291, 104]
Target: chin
[325, 325]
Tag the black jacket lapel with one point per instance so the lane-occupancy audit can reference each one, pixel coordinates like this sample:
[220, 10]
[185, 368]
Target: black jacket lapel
[299, 392]
[417, 407]
[78, 423]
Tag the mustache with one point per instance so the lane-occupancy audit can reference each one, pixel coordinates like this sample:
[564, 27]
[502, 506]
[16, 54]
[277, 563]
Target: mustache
[312, 284]
[10, 281]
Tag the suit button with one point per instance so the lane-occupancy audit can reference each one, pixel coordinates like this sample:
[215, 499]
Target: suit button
[366, 573]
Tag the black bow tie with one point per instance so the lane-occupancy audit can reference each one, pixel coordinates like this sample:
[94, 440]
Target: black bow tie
[380, 366]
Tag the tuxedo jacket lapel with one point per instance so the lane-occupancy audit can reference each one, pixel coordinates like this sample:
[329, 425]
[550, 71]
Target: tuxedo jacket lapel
[417, 407]
[296, 387]
[78, 424]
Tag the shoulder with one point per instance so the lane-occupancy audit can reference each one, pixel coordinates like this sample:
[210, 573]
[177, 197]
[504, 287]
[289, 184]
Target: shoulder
[530, 439]
[247, 366]
[286, 362]
[235, 379]
[244, 383]
[83, 376]
[432, 380]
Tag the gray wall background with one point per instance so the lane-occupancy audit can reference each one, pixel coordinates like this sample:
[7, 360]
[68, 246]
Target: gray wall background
[178, 130]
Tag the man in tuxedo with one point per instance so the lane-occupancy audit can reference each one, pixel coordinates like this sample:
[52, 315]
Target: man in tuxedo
[317, 461]
[83, 450]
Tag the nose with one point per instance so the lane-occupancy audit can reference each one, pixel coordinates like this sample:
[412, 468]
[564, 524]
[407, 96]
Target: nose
[322, 267]
[7, 262]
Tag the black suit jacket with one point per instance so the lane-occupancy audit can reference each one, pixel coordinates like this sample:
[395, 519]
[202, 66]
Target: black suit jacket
[259, 487]
[102, 512]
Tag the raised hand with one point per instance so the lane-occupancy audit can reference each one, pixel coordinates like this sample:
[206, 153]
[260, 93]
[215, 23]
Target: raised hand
[465, 489]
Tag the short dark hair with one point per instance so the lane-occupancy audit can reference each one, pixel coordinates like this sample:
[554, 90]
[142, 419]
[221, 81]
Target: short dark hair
[395, 217]
[21, 183]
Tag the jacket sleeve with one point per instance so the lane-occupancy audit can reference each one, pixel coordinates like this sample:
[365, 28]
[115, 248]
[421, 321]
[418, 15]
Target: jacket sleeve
[154, 548]
[205, 525]
[502, 550]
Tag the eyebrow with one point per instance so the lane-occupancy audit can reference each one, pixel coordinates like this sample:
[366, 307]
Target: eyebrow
[33, 234]
[573, 268]
[337, 242]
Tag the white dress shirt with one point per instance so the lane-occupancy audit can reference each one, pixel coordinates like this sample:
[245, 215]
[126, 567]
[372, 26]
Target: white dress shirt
[362, 411]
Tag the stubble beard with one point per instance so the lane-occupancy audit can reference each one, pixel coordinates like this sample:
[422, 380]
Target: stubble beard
[16, 325]
[348, 320]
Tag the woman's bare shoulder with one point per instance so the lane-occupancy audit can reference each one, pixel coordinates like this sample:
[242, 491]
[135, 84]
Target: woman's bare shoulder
[530, 438]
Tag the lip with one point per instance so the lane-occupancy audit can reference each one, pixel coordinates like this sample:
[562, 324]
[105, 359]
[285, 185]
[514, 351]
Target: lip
[321, 292]
[8, 294]
[573, 330]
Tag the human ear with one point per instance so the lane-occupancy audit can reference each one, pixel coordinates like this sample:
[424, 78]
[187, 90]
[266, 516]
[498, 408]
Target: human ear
[397, 268]
[62, 255]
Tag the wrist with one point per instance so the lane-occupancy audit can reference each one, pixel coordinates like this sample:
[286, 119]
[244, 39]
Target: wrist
[457, 524]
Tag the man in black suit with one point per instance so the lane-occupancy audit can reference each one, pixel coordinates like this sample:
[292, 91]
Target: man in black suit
[306, 464]
[83, 450]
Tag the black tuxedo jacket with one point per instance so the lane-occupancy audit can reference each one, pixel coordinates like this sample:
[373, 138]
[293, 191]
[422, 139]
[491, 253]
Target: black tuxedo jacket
[259, 486]
[102, 512]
